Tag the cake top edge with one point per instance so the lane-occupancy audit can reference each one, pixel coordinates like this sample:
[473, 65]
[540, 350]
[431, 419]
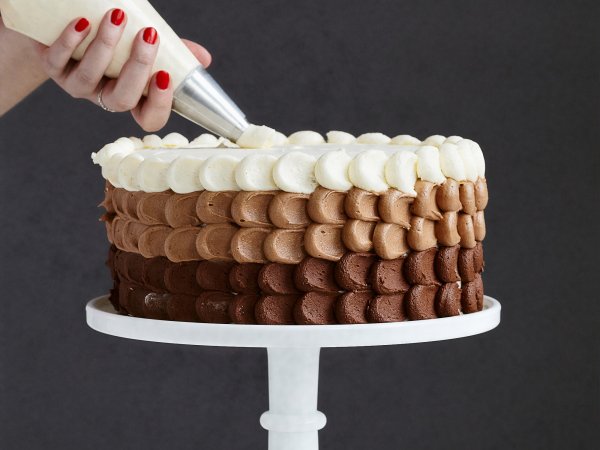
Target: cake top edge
[263, 159]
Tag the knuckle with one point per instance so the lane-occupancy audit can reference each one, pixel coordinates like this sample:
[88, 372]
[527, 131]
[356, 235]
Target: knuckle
[122, 104]
[85, 78]
[107, 40]
[143, 58]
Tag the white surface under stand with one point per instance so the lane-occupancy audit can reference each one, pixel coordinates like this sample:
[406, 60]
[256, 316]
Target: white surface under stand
[293, 350]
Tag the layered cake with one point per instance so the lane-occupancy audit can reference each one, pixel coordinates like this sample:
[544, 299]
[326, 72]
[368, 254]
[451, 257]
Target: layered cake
[295, 230]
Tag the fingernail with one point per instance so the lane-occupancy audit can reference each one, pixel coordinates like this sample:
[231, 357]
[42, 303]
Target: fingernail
[150, 35]
[81, 25]
[163, 79]
[117, 16]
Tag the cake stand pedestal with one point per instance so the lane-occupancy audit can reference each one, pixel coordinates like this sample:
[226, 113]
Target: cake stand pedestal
[293, 420]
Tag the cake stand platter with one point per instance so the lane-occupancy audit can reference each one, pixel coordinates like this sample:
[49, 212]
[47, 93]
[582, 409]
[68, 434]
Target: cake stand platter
[292, 420]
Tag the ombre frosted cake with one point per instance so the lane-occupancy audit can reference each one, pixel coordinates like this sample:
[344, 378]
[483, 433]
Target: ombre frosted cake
[295, 230]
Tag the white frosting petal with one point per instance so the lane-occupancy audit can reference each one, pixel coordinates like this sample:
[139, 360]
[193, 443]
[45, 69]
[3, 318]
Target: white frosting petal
[256, 137]
[110, 169]
[183, 175]
[137, 142]
[405, 139]
[467, 155]
[127, 143]
[294, 172]
[373, 138]
[453, 140]
[367, 171]
[107, 152]
[152, 175]
[428, 165]
[127, 171]
[306, 138]
[340, 138]
[479, 159]
[279, 139]
[435, 140]
[173, 140]
[255, 173]
[451, 162]
[331, 170]
[217, 173]
[152, 141]
[205, 140]
[401, 171]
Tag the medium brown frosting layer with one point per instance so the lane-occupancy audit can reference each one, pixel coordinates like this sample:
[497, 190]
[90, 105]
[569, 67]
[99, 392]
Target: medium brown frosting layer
[472, 295]
[215, 207]
[425, 204]
[213, 307]
[447, 301]
[243, 278]
[214, 276]
[277, 278]
[316, 308]
[421, 235]
[324, 241]
[288, 210]
[241, 308]
[386, 308]
[352, 272]
[285, 246]
[326, 206]
[420, 302]
[275, 309]
[389, 240]
[351, 307]
[361, 205]
[214, 241]
[387, 277]
[251, 209]
[357, 235]
[181, 278]
[180, 210]
[182, 308]
[394, 207]
[314, 274]
[446, 264]
[419, 267]
[131, 233]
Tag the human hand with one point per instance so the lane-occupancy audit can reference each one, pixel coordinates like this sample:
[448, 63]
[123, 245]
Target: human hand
[85, 79]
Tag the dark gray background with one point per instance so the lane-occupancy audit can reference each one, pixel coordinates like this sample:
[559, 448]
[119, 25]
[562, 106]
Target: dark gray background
[520, 77]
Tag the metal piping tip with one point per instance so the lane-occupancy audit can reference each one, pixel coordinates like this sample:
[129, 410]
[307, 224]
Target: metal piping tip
[200, 99]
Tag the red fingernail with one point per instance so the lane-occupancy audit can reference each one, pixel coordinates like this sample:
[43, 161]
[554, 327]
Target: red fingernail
[81, 25]
[163, 79]
[117, 17]
[150, 35]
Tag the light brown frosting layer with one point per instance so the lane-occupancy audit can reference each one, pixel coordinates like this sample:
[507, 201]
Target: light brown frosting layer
[361, 205]
[326, 206]
[391, 224]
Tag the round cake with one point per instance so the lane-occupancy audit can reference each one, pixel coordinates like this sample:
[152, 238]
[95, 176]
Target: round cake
[295, 230]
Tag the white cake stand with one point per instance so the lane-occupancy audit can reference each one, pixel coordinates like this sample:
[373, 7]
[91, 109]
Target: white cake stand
[293, 352]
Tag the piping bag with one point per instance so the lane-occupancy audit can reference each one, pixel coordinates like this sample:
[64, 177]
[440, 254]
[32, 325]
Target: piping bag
[197, 96]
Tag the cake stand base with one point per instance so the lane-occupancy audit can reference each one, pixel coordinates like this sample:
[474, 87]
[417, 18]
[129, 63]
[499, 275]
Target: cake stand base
[293, 420]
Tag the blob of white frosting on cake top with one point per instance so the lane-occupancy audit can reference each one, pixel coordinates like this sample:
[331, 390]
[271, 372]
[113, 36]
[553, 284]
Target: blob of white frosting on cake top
[264, 160]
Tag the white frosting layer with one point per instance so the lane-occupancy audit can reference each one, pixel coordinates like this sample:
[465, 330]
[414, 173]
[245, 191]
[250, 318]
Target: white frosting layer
[297, 164]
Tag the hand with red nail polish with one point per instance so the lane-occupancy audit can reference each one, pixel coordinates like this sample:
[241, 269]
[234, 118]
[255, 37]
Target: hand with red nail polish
[140, 88]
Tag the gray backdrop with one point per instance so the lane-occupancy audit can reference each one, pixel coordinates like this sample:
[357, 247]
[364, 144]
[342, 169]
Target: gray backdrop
[520, 77]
